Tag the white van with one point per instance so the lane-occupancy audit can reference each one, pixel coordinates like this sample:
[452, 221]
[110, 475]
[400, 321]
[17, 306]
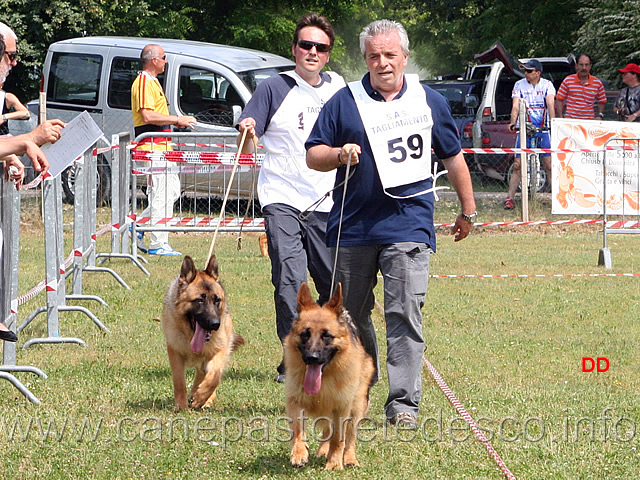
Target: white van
[211, 82]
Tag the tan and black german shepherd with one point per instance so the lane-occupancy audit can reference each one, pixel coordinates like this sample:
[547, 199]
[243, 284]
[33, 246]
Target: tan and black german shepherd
[199, 332]
[328, 375]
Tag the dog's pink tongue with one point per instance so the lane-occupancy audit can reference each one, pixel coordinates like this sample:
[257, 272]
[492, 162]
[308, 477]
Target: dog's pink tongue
[313, 379]
[199, 337]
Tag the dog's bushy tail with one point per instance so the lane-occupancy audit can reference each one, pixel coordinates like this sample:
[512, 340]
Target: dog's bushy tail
[236, 342]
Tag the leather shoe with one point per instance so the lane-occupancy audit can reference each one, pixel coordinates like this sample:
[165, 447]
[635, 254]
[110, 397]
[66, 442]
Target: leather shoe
[8, 336]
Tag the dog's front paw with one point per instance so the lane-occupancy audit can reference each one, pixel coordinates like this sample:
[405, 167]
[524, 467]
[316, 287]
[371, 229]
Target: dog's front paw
[350, 460]
[299, 455]
[181, 404]
[334, 464]
[203, 399]
[323, 450]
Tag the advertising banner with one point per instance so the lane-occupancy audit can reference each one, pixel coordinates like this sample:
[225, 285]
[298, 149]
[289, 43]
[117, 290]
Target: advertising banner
[578, 177]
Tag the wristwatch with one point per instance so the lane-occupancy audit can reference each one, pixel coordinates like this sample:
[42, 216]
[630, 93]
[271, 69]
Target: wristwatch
[4, 118]
[600, 114]
[469, 218]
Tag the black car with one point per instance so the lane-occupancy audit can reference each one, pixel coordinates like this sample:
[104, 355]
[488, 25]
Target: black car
[464, 97]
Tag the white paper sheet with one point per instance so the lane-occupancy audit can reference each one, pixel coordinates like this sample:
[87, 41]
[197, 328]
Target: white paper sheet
[76, 138]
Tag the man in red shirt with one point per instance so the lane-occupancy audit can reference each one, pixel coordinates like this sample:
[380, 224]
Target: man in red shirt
[580, 92]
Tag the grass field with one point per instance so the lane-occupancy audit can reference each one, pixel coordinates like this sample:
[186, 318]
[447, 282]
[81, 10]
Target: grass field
[511, 349]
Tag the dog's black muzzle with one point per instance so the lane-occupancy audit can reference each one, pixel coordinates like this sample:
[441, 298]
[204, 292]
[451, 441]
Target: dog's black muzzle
[206, 322]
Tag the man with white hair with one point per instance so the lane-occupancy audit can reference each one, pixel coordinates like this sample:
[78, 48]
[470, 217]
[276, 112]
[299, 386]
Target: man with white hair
[386, 125]
[47, 132]
[28, 143]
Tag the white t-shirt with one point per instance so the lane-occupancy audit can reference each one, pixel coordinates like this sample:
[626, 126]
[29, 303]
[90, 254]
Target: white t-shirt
[285, 108]
[534, 97]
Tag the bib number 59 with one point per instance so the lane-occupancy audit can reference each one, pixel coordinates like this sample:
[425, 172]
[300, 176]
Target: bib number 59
[398, 148]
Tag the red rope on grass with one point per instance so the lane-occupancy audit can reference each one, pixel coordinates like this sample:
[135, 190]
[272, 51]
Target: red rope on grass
[468, 418]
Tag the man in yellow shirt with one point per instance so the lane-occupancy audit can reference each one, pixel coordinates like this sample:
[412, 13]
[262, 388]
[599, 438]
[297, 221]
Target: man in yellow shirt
[151, 114]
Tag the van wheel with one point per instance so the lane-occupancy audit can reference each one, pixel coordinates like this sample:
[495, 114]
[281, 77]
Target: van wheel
[103, 192]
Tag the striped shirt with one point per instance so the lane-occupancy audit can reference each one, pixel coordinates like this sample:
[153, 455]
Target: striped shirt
[580, 98]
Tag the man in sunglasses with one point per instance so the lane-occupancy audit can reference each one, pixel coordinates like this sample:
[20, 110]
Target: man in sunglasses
[539, 97]
[150, 111]
[47, 132]
[28, 143]
[282, 112]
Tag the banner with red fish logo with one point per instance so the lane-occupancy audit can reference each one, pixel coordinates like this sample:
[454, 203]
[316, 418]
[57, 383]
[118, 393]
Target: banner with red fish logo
[577, 176]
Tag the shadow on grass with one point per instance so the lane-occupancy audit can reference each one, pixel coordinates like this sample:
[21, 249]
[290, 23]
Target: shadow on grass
[279, 466]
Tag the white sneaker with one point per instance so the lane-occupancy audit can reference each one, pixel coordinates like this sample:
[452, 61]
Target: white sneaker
[165, 250]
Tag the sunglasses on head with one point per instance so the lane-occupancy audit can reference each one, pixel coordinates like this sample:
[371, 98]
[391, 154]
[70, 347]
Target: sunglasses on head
[12, 55]
[308, 45]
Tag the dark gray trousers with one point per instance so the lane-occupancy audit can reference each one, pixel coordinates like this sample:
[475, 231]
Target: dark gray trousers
[295, 246]
[405, 272]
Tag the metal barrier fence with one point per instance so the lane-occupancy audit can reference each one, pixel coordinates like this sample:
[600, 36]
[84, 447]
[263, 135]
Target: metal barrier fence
[10, 225]
[629, 178]
[120, 202]
[55, 263]
[203, 163]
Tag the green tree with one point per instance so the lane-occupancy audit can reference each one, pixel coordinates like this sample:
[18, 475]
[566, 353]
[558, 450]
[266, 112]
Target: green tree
[263, 25]
[37, 24]
[447, 33]
[609, 34]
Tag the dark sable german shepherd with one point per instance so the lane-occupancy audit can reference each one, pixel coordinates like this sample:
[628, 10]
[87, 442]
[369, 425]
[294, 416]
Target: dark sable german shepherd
[199, 332]
[328, 375]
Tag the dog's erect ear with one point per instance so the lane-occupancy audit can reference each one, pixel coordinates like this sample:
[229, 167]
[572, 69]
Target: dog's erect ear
[304, 297]
[212, 267]
[336, 300]
[188, 270]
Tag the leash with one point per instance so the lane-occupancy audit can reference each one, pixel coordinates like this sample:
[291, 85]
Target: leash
[251, 197]
[226, 195]
[344, 194]
[468, 418]
[312, 208]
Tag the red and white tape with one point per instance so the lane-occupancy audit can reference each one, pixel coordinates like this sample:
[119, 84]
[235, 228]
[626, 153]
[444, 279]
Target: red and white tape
[226, 158]
[200, 222]
[541, 275]
[194, 157]
[538, 222]
[212, 221]
[548, 150]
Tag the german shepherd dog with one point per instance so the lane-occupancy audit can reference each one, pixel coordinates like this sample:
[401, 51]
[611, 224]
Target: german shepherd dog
[328, 376]
[199, 332]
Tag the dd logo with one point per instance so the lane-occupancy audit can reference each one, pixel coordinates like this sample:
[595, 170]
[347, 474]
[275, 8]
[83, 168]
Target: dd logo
[600, 364]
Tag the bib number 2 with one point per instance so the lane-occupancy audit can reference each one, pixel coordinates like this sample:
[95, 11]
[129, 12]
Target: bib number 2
[398, 148]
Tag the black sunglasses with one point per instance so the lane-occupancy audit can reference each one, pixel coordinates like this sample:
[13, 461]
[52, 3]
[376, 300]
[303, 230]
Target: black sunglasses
[12, 55]
[308, 45]
[163, 57]
[529, 70]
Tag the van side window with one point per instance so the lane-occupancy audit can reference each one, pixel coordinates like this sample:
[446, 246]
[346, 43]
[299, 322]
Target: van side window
[123, 72]
[75, 78]
[208, 96]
